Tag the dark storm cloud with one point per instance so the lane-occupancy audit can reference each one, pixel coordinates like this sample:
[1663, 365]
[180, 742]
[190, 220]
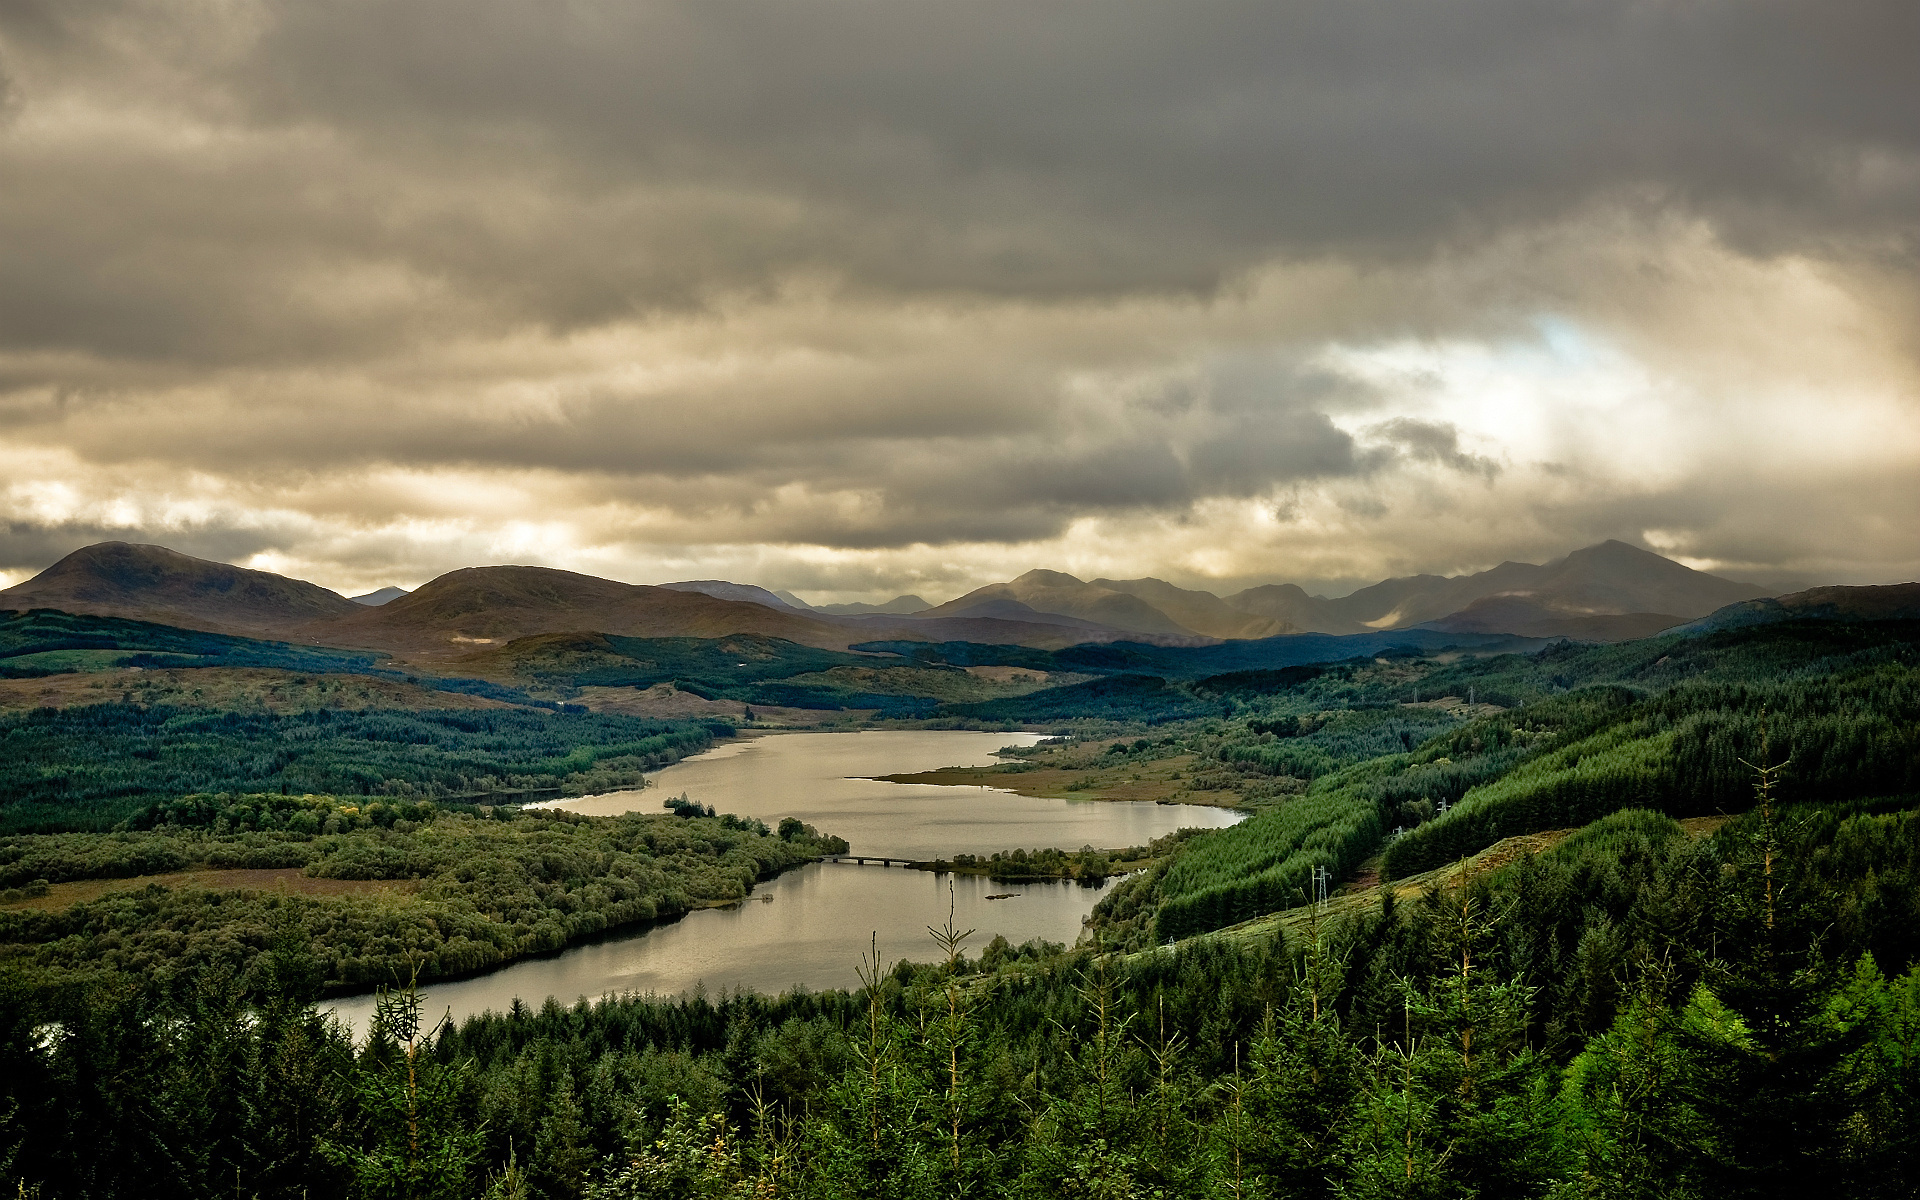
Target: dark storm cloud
[27, 546]
[1379, 120]
[571, 163]
[861, 275]
[1434, 442]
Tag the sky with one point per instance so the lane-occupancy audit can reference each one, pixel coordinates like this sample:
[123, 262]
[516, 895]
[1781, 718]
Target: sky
[863, 297]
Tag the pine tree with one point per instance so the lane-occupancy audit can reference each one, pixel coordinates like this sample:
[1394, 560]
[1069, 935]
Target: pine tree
[1771, 1080]
[1625, 1116]
[1084, 1144]
[1454, 1107]
[560, 1153]
[951, 1031]
[415, 1142]
[1303, 1079]
[694, 1158]
[1885, 1135]
[874, 1143]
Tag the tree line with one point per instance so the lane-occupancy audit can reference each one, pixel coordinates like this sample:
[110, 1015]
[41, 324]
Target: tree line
[97, 766]
[1636, 1013]
[1848, 721]
[447, 893]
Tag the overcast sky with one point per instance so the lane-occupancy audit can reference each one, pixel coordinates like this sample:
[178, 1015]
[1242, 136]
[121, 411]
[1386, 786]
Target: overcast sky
[858, 297]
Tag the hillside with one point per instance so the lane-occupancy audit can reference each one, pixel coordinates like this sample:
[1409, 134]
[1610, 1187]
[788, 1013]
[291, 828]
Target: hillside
[461, 611]
[153, 583]
[1061, 594]
[1527, 617]
[236, 689]
[1890, 602]
[1365, 755]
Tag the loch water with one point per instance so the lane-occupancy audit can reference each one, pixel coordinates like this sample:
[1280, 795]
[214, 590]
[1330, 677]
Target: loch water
[811, 926]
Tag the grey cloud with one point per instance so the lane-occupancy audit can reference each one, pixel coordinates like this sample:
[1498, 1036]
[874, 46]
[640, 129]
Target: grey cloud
[1222, 105]
[493, 162]
[1434, 442]
[268, 242]
[932, 448]
[32, 546]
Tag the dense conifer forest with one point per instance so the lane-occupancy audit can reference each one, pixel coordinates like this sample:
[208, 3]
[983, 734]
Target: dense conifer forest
[1607, 1002]
[1636, 1012]
[99, 766]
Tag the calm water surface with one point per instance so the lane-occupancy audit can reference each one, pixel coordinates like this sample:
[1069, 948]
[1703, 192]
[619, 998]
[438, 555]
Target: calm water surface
[810, 926]
[822, 778]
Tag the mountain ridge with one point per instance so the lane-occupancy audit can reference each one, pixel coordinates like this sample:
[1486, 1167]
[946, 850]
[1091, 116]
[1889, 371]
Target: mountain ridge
[899, 606]
[1063, 595]
[153, 583]
[1873, 602]
[720, 589]
[463, 610]
[1610, 578]
[1609, 591]
[1606, 592]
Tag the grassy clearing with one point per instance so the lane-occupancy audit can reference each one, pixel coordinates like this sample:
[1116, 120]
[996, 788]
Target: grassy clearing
[273, 880]
[1166, 781]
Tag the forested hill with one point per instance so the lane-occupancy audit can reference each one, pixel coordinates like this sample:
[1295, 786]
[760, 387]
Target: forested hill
[98, 766]
[42, 644]
[1556, 740]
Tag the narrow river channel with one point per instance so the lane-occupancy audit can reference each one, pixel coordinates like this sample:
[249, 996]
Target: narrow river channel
[810, 927]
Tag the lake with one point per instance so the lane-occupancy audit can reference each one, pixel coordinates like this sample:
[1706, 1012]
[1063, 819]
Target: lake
[811, 926]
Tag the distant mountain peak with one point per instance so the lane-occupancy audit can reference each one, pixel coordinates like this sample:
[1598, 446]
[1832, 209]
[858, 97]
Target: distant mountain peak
[899, 606]
[1605, 589]
[720, 589]
[1613, 549]
[1041, 577]
[154, 583]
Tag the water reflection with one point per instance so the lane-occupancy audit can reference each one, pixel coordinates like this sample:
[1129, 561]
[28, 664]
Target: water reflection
[820, 918]
[811, 935]
[822, 779]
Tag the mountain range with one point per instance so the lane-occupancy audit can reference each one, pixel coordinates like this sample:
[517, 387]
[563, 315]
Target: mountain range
[1608, 592]
[458, 613]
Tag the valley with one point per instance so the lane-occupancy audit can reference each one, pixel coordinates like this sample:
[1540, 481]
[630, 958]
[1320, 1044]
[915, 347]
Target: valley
[620, 827]
[975, 599]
